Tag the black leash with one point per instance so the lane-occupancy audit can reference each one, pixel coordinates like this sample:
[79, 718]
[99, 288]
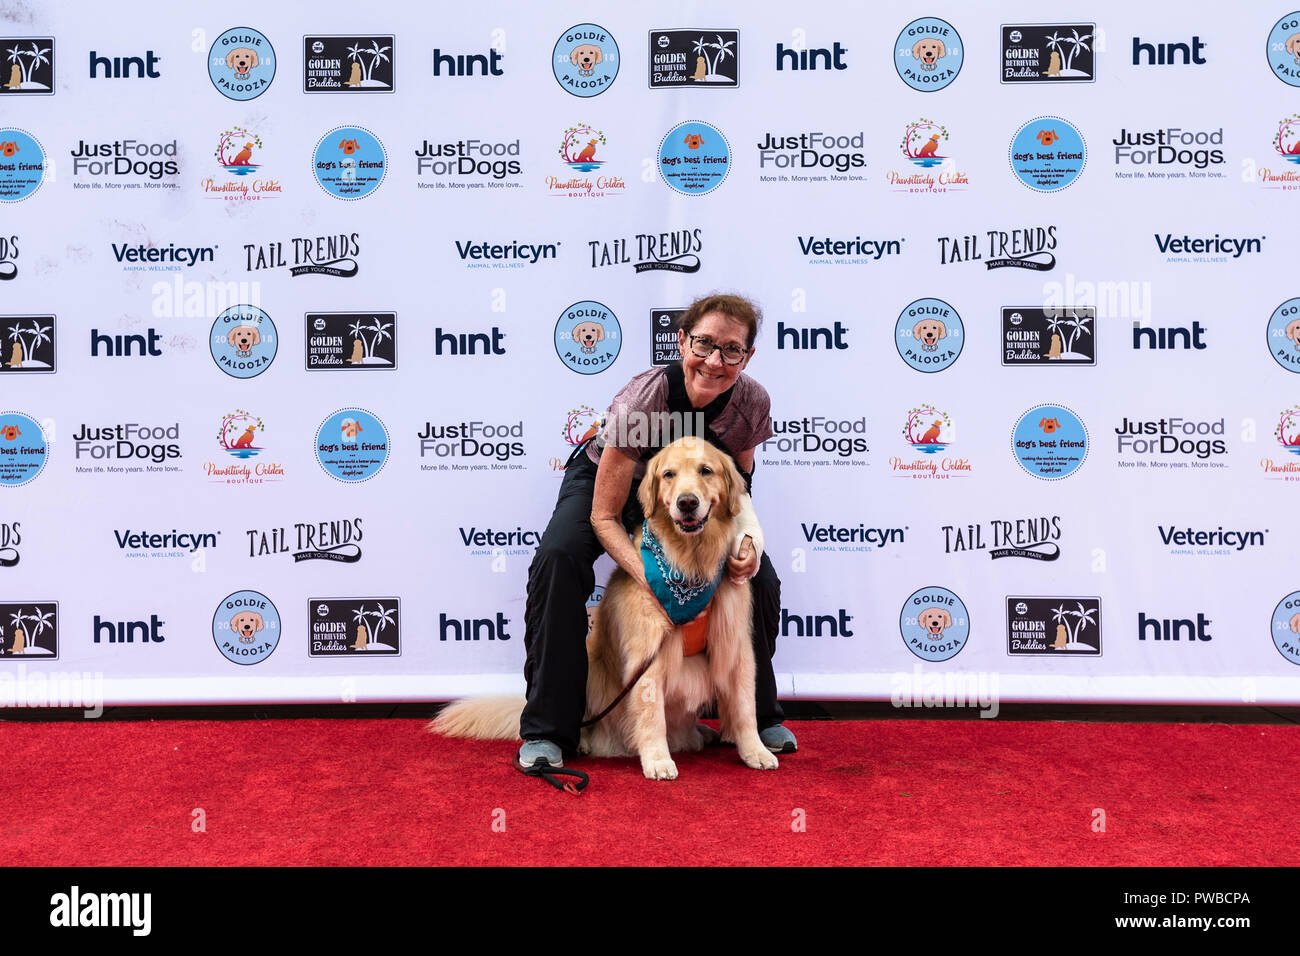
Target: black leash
[543, 769]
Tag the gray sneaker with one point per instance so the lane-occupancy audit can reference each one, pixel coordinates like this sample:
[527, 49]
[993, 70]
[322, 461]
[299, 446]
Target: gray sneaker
[539, 751]
[778, 740]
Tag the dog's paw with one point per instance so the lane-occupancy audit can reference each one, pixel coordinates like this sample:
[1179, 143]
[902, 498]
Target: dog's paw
[759, 758]
[659, 769]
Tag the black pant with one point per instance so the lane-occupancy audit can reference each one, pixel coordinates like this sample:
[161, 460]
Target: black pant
[560, 580]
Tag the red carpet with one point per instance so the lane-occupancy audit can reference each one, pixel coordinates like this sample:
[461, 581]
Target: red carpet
[359, 792]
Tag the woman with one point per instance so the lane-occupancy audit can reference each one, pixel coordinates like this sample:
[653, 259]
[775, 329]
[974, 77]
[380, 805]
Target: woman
[597, 507]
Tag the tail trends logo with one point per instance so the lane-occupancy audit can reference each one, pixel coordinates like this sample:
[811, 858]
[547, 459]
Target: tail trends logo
[241, 64]
[246, 627]
[352, 445]
[341, 627]
[694, 158]
[1071, 628]
[1286, 627]
[1026, 248]
[1284, 49]
[1050, 442]
[1030, 54]
[243, 341]
[31, 65]
[1037, 336]
[344, 64]
[350, 162]
[588, 337]
[686, 59]
[1047, 154]
[31, 343]
[934, 624]
[585, 60]
[929, 335]
[23, 449]
[22, 165]
[30, 630]
[928, 55]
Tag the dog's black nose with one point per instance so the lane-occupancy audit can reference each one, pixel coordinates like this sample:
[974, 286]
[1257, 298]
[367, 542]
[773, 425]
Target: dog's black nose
[687, 504]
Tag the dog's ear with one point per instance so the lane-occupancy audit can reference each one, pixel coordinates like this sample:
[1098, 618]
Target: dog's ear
[258, 619]
[600, 55]
[257, 336]
[230, 337]
[943, 329]
[648, 493]
[943, 50]
[735, 485]
[916, 49]
[947, 618]
[1295, 623]
[600, 333]
[573, 56]
[230, 59]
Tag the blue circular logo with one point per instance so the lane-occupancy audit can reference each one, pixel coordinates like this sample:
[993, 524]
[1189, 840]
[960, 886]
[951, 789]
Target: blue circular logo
[694, 158]
[928, 54]
[1047, 154]
[23, 449]
[243, 341]
[593, 603]
[1050, 442]
[1284, 49]
[241, 64]
[350, 162]
[1286, 627]
[1284, 335]
[352, 445]
[585, 60]
[22, 165]
[929, 335]
[246, 627]
[934, 624]
[588, 337]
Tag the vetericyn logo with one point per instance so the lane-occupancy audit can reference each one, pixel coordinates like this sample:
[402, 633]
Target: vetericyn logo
[1203, 249]
[835, 251]
[484, 254]
[1191, 541]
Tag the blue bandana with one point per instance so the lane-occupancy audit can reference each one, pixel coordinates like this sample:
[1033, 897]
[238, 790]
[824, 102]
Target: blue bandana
[682, 597]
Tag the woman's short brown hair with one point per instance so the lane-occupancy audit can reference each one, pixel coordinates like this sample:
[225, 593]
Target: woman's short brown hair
[733, 306]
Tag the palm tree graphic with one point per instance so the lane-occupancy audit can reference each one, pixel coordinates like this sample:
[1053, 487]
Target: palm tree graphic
[38, 57]
[377, 55]
[40, 621]
[379, 330]
[723, 50]
[1076, 43]
[1078, 325]
[1083, 617]
[38, 335]
[383, 617]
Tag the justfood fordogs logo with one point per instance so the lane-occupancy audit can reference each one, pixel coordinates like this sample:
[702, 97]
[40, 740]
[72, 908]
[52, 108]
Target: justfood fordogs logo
[1286, 627]
[345, 64]
[1050, 442]
[929, 335]
[241, 64]
[1030, 54]
[243, 342]
[829, 157]
[23, 449]
[30, 629]
[340, 627]
[694, 158]
[932, 171]
[246, 627]
[1284, 335]
[31, 343]
[588, 337]
[685, 59]
[1154, 151]
[350, 162]
[372, 337]
[1035, 336]
[1150, 444]
[144, 165]
[22, 165]
[352, 445]
[468, 163]
[31, 65]
[1287, 433]
[238, 436]
[1284, 49]
[1047, 154]
[239, 153]
[929, 431]
[934, 624]
[928, 54]
[585, 60]
[1071, 628]
[580, 149]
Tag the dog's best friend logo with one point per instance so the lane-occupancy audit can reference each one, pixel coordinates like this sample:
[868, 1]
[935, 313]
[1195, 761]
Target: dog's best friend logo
[22, 165]
[1032, 335]
[934, 624]
[340, 627]
[30, 630]
[1054, 626]
[246, 627]
[350, 162]
[352, 445]
[28, 65]
[1284, 49]
[1048, 53]
[928, 55]
[23, 449]
[243, 341]
[241, 64]
[1047, 154]
[694, 59]
[588, 337]
[694, 158]
[351, 340]
[585, 60]
[30, 345]
[929, 335]
[1286, 627]
[347, 64]
[1050, 442]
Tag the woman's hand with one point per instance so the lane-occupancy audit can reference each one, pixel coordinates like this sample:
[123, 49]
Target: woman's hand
[742, 564]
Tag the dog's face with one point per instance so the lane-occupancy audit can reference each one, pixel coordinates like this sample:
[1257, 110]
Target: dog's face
[1295, 624]
[929, 52]
[243, 337]
[585, 57]
[241, 60]
[10, 432]
[1293, 329]
[350, 428]
[1293, 44]
[929, 331]
[587, 334]
[694, 140]
[687, 481]
[934, 620]
[1049, 425]
[349, 146]
[246, 624]
[9, 148]
[1047, 136]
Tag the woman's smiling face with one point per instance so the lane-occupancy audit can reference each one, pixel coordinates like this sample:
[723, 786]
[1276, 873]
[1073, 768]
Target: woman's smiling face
[707, 378]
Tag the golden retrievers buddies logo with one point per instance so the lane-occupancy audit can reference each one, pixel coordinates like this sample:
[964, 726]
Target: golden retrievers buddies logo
[30, 343]
[1284, 49]
[241, 63]
[246, 461]
[246, 627]
[931, 167]
[588, 337]
[30, 66]
[1054, 626]
[585, 60]
[30, 630]
[694, 59]
[1032, 335]
[934, 624]
[1048, 53]
[929, 335]
[351, 340]
[347, 64]
[1286, 627]
[243, 342]
[928, 55]
[344, 626]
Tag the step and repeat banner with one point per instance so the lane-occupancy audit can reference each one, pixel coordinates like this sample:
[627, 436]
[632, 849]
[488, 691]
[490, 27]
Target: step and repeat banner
[304, 310]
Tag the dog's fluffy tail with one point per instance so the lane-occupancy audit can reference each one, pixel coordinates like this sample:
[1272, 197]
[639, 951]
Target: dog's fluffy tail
[480, 718]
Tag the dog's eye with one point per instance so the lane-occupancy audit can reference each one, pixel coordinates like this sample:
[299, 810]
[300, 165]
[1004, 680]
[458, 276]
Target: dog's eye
[705, 470]
[669, 474]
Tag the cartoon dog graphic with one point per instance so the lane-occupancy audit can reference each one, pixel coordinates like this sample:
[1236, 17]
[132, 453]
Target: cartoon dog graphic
[929, 51]
[354, 78]
[9, 148]
[20, 641]
[701, 69]
[929, 148]
[1049, 425]
[358, 353]
[587, 334]
[1293, 330]
[1062, 638]
[932, 433]
[243, 156]
[349, 428]
[1293, 46]
[245, 440]
[15, 78]
[1054, 350]
[933, 620]
[588, 153]
[1047, 136]
[242, 338]
[16, 355]
[694, 140]
[1295, 624]
[929, 331]
[1053, 65]
[363, 638]
[241, 60]
[10, 432]
[246, 624]
[348, 164]
[585, 57]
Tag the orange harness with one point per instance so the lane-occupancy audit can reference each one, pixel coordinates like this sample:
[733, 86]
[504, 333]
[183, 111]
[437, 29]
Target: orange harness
[695, 633]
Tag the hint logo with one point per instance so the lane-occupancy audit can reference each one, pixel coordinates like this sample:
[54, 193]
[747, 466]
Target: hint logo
[1168, 54]
[468, 343]
[1168, 337]
[789, 337]
[126, 632]
[473, 629]
[124, 346]
[812, 59]
[816, 625]
[1173, 630]
[462, 64]
[124, 67]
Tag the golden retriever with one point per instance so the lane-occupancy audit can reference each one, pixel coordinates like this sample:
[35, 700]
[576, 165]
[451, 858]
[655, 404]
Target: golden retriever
[691, 494]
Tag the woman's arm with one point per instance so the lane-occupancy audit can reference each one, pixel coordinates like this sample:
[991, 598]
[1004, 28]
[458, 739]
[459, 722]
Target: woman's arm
[742, 563]
[613, 482]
